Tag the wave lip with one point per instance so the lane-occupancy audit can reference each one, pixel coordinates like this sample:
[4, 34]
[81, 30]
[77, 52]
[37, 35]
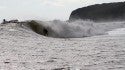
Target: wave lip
[60, 29]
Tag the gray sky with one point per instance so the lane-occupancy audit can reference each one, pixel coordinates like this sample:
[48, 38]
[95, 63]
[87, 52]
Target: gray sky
[43, 9]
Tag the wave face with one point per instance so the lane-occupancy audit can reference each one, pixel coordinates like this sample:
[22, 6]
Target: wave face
[76, 29]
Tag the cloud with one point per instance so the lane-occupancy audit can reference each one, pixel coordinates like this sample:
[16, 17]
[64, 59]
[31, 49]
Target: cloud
[53, 3]
[60, 3]
[2, 7]
[70, 1]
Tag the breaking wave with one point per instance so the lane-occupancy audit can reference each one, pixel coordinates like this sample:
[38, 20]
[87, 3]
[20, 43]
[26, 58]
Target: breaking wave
[76, 29]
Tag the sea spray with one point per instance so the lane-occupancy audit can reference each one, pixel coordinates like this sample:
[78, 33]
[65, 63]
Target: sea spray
[76, 29]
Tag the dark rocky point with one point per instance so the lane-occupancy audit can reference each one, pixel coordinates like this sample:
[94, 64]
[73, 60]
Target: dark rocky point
[100, 12]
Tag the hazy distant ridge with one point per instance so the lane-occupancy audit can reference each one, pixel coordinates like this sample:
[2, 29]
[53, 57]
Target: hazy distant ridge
[105, 11]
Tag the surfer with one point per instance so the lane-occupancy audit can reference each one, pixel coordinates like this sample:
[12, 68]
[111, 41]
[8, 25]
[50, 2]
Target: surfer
[45, 32]
[4, 21]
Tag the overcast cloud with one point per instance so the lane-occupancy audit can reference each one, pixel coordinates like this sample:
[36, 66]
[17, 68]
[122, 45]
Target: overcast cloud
[43, 9]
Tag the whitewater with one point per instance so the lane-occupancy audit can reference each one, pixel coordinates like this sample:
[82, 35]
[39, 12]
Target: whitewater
[76, 29]
[62, 45]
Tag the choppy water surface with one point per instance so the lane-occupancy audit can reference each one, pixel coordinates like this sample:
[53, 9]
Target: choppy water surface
[23, 49]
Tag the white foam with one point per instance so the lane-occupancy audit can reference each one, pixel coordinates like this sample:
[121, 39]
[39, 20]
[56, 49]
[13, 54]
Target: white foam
[12, 30]
[119, 31]
[79, 28]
